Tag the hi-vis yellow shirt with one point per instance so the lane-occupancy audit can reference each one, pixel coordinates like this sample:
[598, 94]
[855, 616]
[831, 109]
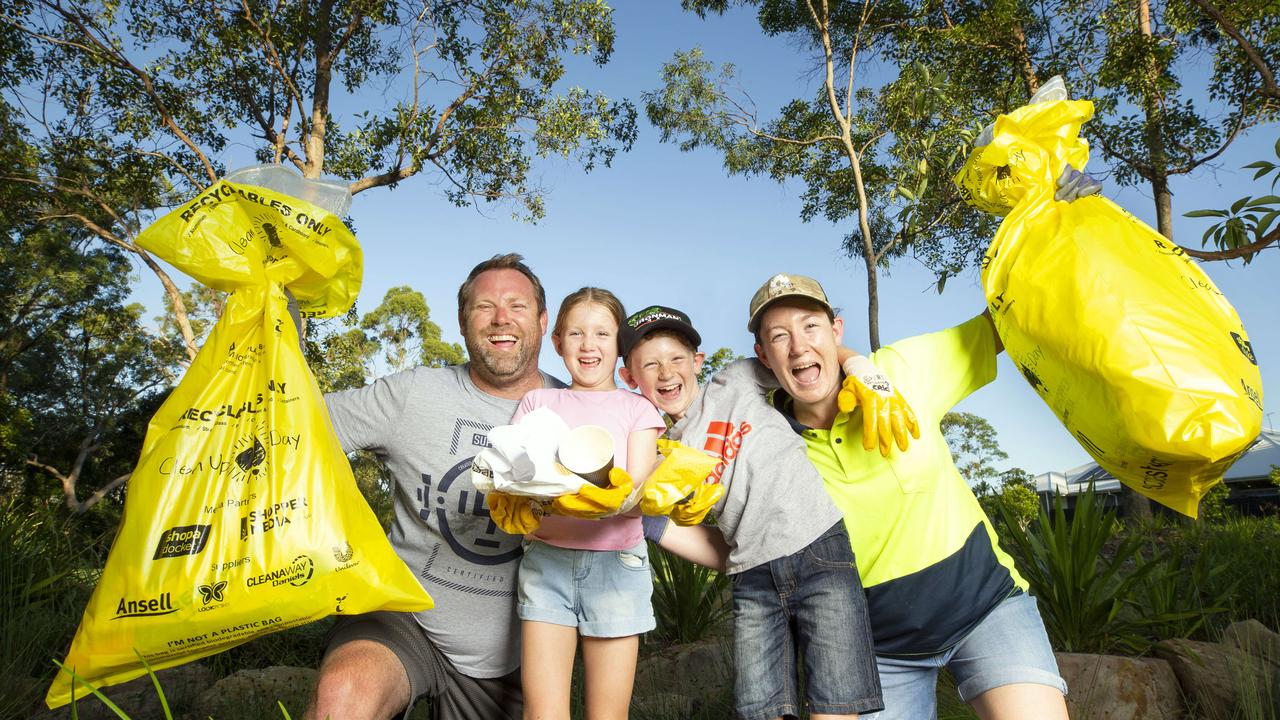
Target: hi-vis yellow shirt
[927, 553]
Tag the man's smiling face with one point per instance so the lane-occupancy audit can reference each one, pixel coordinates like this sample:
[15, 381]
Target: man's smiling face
[503, 329]
[798, 341]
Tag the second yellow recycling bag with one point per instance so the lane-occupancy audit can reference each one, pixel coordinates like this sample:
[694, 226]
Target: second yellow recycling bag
[242, 516]
[1119, 332]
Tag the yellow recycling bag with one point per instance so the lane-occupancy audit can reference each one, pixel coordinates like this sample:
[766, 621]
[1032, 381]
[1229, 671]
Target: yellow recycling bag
[1119, 332]
[242, 516]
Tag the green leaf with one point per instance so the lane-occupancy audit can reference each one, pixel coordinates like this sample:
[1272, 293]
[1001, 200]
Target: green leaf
[155, 681]
[1238, 205]
[906, 193]
[76, 679]
[1265, 223]
[1205, 213]
[1265, 200]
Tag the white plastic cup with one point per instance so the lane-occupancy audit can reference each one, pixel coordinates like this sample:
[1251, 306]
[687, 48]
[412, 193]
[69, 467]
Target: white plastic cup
[587, 451]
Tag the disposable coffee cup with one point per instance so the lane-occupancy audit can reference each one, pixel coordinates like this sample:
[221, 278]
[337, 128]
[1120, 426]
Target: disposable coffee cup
[587, 451]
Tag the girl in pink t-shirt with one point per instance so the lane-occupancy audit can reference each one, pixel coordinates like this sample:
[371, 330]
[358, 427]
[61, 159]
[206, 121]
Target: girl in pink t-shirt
[588, 578]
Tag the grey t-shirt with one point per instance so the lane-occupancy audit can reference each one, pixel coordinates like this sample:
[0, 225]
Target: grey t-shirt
[426, 424]
[775, 503]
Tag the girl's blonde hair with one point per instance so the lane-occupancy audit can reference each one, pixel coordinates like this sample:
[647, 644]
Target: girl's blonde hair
[596, 295]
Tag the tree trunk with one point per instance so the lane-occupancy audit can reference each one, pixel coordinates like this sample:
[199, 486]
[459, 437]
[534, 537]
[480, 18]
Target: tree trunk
[175, 299]
[1159, 177]
[873, 302]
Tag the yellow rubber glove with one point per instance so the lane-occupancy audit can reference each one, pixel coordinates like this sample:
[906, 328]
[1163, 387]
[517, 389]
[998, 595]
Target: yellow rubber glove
[593, 502]
[693, 510]
[676, 478]
[516, 515]
[886, 417]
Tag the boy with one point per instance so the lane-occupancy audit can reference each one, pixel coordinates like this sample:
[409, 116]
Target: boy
[796, 590]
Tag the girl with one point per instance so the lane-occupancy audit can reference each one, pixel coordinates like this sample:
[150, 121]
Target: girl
[588, 578]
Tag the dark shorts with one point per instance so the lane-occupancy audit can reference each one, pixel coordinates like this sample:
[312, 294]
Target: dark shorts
[454, 696]
[808, 607]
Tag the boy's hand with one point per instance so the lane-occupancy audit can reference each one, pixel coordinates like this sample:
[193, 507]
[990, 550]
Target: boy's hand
[885, 413]
[591, 502]
[515, 515]
[676, 478]
[693, 510]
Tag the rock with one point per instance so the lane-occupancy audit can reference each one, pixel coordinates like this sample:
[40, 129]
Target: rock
[138, 698]
[254, 693]
[1254, 639]
[700, 673]
[1218, 680]
[1107, 687]
[662, 705]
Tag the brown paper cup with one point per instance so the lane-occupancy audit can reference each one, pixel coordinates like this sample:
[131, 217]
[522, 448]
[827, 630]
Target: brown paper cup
[587, 451]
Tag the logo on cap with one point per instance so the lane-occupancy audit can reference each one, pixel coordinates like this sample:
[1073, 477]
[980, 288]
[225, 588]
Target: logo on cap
[779, 284]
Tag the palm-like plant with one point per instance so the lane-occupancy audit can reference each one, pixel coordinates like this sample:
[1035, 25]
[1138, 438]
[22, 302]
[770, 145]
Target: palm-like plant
[689, 601]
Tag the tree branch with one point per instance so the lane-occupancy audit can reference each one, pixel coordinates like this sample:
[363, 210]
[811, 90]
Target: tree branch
[1234, 253]
[1269, 87]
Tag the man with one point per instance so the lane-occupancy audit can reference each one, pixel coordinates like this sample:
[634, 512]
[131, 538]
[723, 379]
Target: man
[940, 592]
[426, 424]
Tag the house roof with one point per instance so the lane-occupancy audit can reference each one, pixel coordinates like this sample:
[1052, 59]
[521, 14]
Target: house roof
[1255, 463]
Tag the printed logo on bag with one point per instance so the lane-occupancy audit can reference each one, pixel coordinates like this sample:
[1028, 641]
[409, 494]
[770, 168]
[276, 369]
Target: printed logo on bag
[724, 440]
[212, 594]
[272, 517]
[342, 553]
[182, 540]
[247, 460]
[228, 410]
[1167, 248]
[246, 355]
[1155, 474]
[161, 604]
[1036, 383]
[296, 573]
[1246, 347]
[1254, 396]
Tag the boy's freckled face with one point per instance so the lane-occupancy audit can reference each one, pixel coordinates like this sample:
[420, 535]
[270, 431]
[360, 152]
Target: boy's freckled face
[665, 371]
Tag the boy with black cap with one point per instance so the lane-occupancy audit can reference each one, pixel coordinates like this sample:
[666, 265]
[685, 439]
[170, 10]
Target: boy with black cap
[796, 590]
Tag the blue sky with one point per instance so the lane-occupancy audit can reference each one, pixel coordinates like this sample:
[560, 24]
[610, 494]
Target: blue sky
[667, 227]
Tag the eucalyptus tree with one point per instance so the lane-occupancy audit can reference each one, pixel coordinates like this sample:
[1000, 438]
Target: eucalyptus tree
[875, 155]
[134, 103]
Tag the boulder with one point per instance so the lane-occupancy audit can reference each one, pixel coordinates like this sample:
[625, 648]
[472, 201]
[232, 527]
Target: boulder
[1219, 680]
[693, 677]
[1254, 639]
[254, 694]
[1107, 687]
[138, 698]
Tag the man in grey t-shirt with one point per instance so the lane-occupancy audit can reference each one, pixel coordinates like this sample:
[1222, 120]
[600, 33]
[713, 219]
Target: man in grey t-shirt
[426, 424]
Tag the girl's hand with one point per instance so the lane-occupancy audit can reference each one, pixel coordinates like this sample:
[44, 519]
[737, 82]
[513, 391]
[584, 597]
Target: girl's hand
[593, 502]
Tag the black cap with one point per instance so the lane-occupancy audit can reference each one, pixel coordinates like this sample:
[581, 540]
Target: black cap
[655, 317]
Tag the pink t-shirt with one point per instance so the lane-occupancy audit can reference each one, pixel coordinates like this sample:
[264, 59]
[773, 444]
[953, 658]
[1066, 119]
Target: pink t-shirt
[621, 413]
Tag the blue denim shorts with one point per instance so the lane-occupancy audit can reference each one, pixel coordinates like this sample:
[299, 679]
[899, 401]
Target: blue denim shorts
[603, 593]
[1009, 646]
[810, 607]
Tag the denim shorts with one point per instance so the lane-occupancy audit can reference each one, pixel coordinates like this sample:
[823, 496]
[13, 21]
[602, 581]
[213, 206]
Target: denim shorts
[809, 607]
[603, 593]
[1009, 646]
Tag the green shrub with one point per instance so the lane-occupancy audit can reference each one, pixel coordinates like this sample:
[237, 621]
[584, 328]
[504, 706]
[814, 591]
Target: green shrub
[1085, 594]
[689, 601]
[1243, 552]
[44, 587]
